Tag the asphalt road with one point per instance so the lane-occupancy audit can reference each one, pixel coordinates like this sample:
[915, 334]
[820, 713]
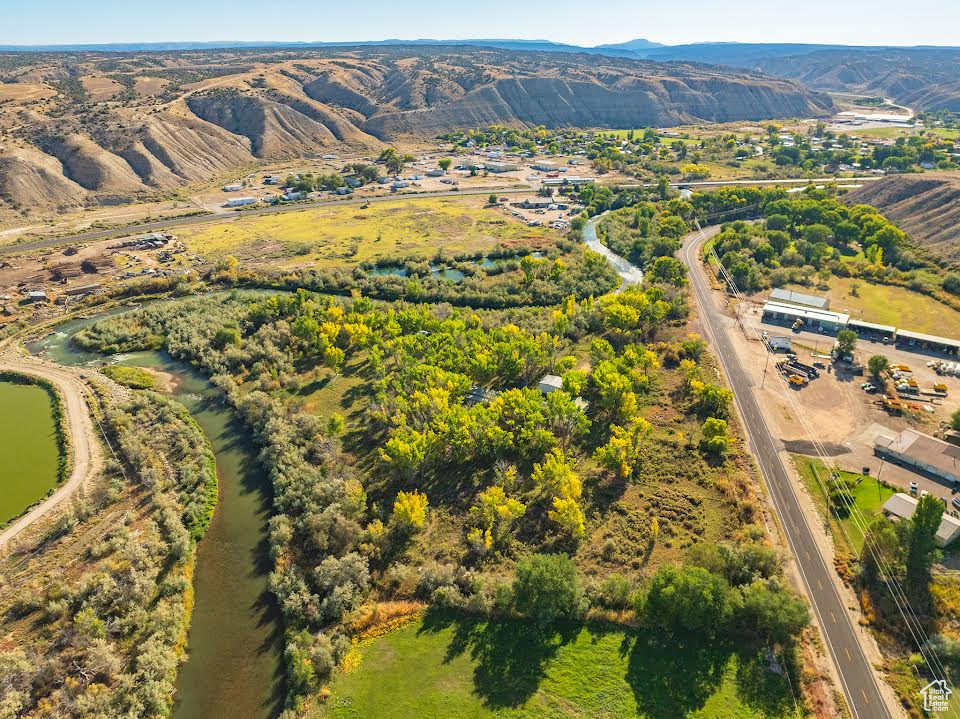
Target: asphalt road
[167, 224]
[857, 677]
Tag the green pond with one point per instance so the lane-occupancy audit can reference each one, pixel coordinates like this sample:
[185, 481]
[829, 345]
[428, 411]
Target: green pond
[29, 456]
[235, 648]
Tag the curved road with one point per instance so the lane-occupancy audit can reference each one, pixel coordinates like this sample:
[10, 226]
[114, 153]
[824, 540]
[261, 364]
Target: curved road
[857, 676]
[81, 439]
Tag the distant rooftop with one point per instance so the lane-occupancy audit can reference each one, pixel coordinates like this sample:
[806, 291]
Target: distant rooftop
[798, 298]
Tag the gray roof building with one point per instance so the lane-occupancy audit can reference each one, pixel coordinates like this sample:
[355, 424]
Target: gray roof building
[798, 298]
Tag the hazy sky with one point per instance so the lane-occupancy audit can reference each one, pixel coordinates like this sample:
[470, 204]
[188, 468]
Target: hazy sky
[858, 22]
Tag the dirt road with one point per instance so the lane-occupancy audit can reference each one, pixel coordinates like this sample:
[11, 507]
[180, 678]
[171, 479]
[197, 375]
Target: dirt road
[82, 439]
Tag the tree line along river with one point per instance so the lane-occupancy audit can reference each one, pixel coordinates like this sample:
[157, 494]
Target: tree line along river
[235, 643]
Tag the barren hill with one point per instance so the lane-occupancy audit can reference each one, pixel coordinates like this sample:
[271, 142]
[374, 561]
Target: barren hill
[926, 206]
[86, 127]
[926, 79]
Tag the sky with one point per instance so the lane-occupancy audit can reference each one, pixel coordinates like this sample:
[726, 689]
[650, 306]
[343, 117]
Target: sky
[851, 22]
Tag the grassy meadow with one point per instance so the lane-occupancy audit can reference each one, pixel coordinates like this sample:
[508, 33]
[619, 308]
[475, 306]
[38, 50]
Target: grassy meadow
[347, 235]
[447, 665]
[890, 305]
[28, 448]
[869, 496]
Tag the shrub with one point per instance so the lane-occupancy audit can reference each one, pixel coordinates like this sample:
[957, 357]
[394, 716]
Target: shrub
[548, 587]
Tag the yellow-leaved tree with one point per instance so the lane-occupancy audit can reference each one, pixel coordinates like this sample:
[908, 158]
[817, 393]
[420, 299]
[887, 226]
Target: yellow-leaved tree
[410, 511]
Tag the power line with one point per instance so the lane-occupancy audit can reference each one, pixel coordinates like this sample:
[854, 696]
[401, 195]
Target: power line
[897, 592]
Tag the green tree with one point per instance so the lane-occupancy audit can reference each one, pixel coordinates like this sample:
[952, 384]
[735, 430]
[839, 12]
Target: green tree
[846, 342]
[955, 420]
[687, 598]
[877, 365]
[444, 163]
[548, 587]
[771, 612]
[492, 199]
[921, 547]
[716, 440]
[881, 543]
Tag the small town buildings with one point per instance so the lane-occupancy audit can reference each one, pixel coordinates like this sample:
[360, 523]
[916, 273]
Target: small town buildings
[344, 191]
[272, 180]
[37, 296]
[544, 166]
[241, 201]
[550, 383]
[871, 330]
[293, 196]
[569, 180]
[921, 453]
[436, 173]
[232, 188]
[500, 167]
[931, 343]
[789, 297]
[82, 290]
[902, 506]
[779, 313]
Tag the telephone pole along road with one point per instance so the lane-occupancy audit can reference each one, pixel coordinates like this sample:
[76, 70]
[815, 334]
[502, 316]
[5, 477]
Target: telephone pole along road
[857, 676]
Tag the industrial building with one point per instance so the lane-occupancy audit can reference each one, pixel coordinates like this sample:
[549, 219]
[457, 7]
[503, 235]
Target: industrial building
[498, 167]
[931, 343]
[789, 297]
[903, 506]
[921, 453]
[786, 307]
[871, 330]
[777, 312]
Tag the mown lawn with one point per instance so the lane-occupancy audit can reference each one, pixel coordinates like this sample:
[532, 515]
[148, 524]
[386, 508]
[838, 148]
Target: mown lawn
[888, 305]
[447, 666]
[348, 235]
[869, 496]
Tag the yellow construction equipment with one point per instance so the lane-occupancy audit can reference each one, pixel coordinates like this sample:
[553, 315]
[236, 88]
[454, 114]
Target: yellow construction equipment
[901, 367]
[940, 387]
[797, 379]
[892, 405]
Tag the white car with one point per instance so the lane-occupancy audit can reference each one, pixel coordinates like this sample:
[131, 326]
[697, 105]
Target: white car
[913, 488]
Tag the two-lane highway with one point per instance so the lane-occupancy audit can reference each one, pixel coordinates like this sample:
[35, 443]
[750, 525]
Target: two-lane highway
[857, 676]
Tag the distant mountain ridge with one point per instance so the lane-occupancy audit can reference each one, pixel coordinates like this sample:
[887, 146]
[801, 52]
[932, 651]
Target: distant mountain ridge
[91, 127]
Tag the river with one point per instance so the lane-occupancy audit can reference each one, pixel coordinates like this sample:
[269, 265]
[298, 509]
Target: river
[235, 643]
[629, 273]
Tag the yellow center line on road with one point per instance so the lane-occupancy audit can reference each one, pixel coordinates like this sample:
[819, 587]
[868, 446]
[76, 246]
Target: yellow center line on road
[833, 617]
[865, 697]
[849, 658]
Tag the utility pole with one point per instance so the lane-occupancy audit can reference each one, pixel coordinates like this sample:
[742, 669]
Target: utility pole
[765, 365]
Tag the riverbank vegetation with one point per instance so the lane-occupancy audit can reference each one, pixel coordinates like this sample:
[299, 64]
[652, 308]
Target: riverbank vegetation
[97, 599]
[518, 464]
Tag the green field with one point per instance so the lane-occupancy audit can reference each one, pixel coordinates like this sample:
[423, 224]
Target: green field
[348, 235]
[869, 496]
[890, 305]
[29, 456]
[448, 666]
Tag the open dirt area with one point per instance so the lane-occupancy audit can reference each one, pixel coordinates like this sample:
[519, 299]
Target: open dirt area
[843, 418]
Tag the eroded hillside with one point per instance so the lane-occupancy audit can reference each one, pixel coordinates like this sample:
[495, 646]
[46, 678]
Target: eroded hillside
[77, 128]
[926, 206]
